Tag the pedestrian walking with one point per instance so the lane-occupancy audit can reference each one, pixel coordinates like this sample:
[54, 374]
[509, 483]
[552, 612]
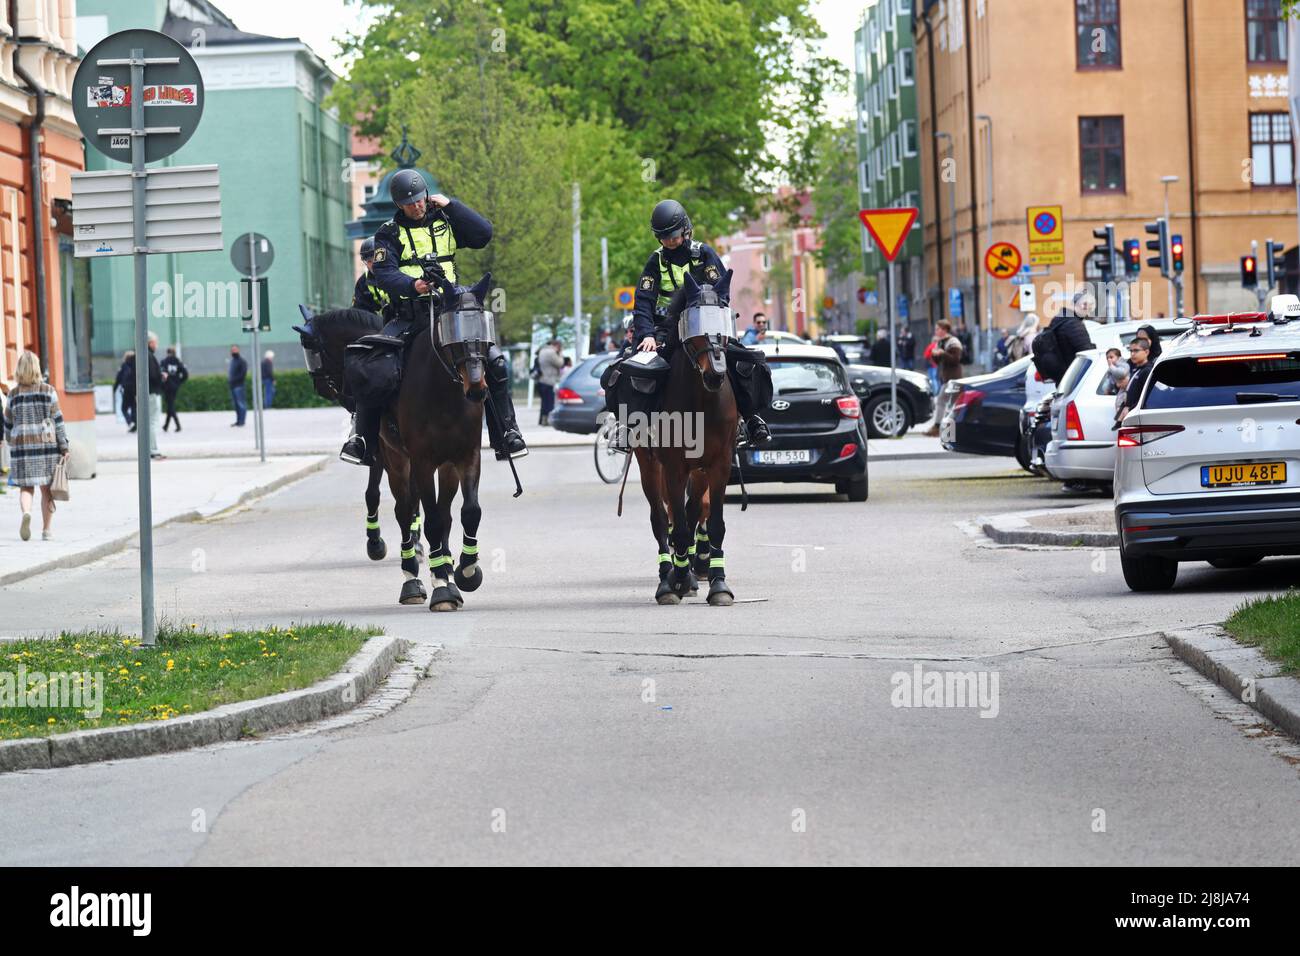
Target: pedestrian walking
[175, 374]
[947, 357]
[4, 449]
[1022, 341]
[155, 396]
[236, 373]
[551, 369]
[33, 427]
[126, 382]
[906, 349]
[268, 378]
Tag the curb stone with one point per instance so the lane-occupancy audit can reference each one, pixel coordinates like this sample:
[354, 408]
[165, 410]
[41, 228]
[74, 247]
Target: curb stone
[113, 545]
[1234, 667]
[1014, 528]
[362, 673]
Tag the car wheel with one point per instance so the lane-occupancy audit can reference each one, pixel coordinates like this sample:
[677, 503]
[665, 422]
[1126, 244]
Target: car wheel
[856, 488]
[883, 420]
[1236, 561]
[1022, 453]
[1148, 572]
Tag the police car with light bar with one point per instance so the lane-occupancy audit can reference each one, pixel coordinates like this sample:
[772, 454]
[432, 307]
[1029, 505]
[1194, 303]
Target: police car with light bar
[1207, 466]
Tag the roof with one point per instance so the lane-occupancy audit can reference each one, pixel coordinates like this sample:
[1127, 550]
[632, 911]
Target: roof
[782, 350]
[211, 24]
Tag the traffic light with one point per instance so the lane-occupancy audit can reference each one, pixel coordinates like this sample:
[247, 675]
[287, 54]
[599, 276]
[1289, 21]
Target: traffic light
[1176, 252]
[1274, 262]
[1159, 245]
[1249, 277]
[1103, 254]
[1132, 258]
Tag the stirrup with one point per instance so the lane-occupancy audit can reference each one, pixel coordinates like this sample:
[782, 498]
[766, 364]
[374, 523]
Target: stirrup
[350, 456]
[503, 453]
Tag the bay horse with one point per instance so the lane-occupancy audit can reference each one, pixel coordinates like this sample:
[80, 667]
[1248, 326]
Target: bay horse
[325, 338]
[698, 386]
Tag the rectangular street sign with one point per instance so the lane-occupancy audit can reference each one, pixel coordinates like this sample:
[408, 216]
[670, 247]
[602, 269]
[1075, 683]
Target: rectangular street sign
[182, 211]
[1046, 228]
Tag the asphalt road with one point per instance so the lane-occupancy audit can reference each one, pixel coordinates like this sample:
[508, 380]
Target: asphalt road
[770, 732]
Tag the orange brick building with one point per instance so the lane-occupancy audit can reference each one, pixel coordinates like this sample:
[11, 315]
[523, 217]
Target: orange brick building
[45, 293]
[1092, 104]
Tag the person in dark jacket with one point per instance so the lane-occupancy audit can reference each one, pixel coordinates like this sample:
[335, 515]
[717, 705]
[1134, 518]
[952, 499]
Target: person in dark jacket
[1148, 334]
[155, 396]
[1068, 329]
[268, 379]
[906, 349]
[175, 374]
[880, 349]
[236, 373]
[126, 382]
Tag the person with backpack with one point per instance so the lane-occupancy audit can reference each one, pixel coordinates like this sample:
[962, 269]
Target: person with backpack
[1054, 347]
[946, 356]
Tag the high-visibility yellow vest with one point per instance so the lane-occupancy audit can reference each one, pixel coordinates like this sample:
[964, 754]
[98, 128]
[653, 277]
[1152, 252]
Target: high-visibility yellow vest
[672, 276]
[421, 240]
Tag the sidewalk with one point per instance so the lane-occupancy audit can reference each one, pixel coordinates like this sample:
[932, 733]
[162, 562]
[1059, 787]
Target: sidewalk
[289, 431]
[102, 515]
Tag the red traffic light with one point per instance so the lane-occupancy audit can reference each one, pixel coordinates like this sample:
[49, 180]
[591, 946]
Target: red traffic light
[1178, 248]
[1248, 263]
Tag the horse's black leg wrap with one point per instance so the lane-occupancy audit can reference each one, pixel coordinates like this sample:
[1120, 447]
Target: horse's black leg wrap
[469, 573]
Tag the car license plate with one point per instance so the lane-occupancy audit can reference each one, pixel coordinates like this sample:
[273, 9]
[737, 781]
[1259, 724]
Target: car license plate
[783, 456]
[1243, 476]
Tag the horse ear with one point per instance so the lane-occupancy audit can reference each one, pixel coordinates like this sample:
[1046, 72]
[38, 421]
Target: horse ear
[307, 313]
[480, 289]
[691, 286]
[448, 290]
[723, 288]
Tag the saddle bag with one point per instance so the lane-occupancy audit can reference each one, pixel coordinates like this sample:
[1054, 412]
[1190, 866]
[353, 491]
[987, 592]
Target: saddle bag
[634, 381]
[373, 373]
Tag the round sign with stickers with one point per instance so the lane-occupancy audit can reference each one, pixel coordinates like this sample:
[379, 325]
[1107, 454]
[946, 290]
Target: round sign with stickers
[172, 95]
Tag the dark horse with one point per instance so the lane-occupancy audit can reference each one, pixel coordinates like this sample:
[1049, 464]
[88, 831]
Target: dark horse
[698, 388]
[325, 338]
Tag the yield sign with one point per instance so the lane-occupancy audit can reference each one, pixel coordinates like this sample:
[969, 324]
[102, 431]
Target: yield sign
[889, 227]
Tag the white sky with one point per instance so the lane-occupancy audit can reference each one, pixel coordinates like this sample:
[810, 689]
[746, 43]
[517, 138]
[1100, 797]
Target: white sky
[318, 22]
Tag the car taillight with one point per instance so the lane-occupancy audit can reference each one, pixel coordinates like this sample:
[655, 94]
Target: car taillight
[850, 407]
[1134, 435]
[848, 451]
[567, 396]
[1073, 426]
[967, 396]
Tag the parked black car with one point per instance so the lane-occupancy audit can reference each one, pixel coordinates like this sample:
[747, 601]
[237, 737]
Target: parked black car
[579, 399]
[816, 419]
[871, 384]
[983, 417]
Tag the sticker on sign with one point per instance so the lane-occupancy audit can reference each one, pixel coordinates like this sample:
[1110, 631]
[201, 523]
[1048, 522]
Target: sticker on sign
[120, 142]
[106, 94]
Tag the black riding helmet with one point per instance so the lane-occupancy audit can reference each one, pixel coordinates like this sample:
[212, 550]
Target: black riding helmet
[407, 186]
[368, 248]
[669, 219]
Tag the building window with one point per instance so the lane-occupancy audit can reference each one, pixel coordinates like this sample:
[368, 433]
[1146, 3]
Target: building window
[880, 164]
[906, 66]
[891, 83]
[1265, 32]
[864, 176]
[1101, 154]
[1271, 152]
[1096, 25]
[909, 137]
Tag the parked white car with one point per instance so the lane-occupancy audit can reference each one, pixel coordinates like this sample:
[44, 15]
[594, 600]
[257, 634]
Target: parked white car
[1082, 447]
[1207, 466]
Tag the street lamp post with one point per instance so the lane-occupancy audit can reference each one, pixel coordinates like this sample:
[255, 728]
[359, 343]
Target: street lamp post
[988, 227]
[1168, 181]
[952, 202]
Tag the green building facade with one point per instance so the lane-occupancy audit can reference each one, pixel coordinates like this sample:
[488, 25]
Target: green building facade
[285, 173]
[889, 157]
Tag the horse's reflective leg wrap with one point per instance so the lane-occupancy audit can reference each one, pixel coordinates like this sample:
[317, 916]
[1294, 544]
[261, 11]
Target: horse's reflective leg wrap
[468, 553]
[440, 566]
[372, 525]
[717, 570]
[410, 563]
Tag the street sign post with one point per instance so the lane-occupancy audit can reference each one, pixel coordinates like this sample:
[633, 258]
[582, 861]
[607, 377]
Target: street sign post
[890, 228]
[1046, 228]
[252, 254]
[182, 211]
[110, 99]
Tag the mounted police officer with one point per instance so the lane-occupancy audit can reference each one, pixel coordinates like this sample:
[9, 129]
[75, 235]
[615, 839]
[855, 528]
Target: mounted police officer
[366, 294]
[663, 274]
[429, 229]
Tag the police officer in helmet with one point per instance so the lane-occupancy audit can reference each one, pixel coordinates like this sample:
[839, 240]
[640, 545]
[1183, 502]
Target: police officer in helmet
[663, 274]
[434, 226]
[367, 294]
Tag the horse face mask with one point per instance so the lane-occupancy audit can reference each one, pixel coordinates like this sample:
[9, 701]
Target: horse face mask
[707, 323]
[466, 329]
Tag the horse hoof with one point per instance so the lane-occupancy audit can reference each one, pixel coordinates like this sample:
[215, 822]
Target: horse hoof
[719, 594]
[695, 584]
[412, 592]
[468, 578]
[376, 550]
[664, 594]
[445, 598]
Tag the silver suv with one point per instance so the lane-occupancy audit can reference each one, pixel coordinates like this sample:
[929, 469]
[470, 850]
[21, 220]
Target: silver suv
[1207, 466]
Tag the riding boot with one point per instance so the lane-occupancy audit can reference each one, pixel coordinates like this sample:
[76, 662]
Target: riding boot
[759, 433]
[360, 446]
[503, 430]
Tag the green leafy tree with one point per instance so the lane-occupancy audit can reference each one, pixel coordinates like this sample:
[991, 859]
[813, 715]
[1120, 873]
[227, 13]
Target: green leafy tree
[835, 201]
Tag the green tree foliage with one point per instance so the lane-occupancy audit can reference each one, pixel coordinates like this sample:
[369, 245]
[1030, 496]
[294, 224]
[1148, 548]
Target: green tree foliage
[635, 100]
[835, 200]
